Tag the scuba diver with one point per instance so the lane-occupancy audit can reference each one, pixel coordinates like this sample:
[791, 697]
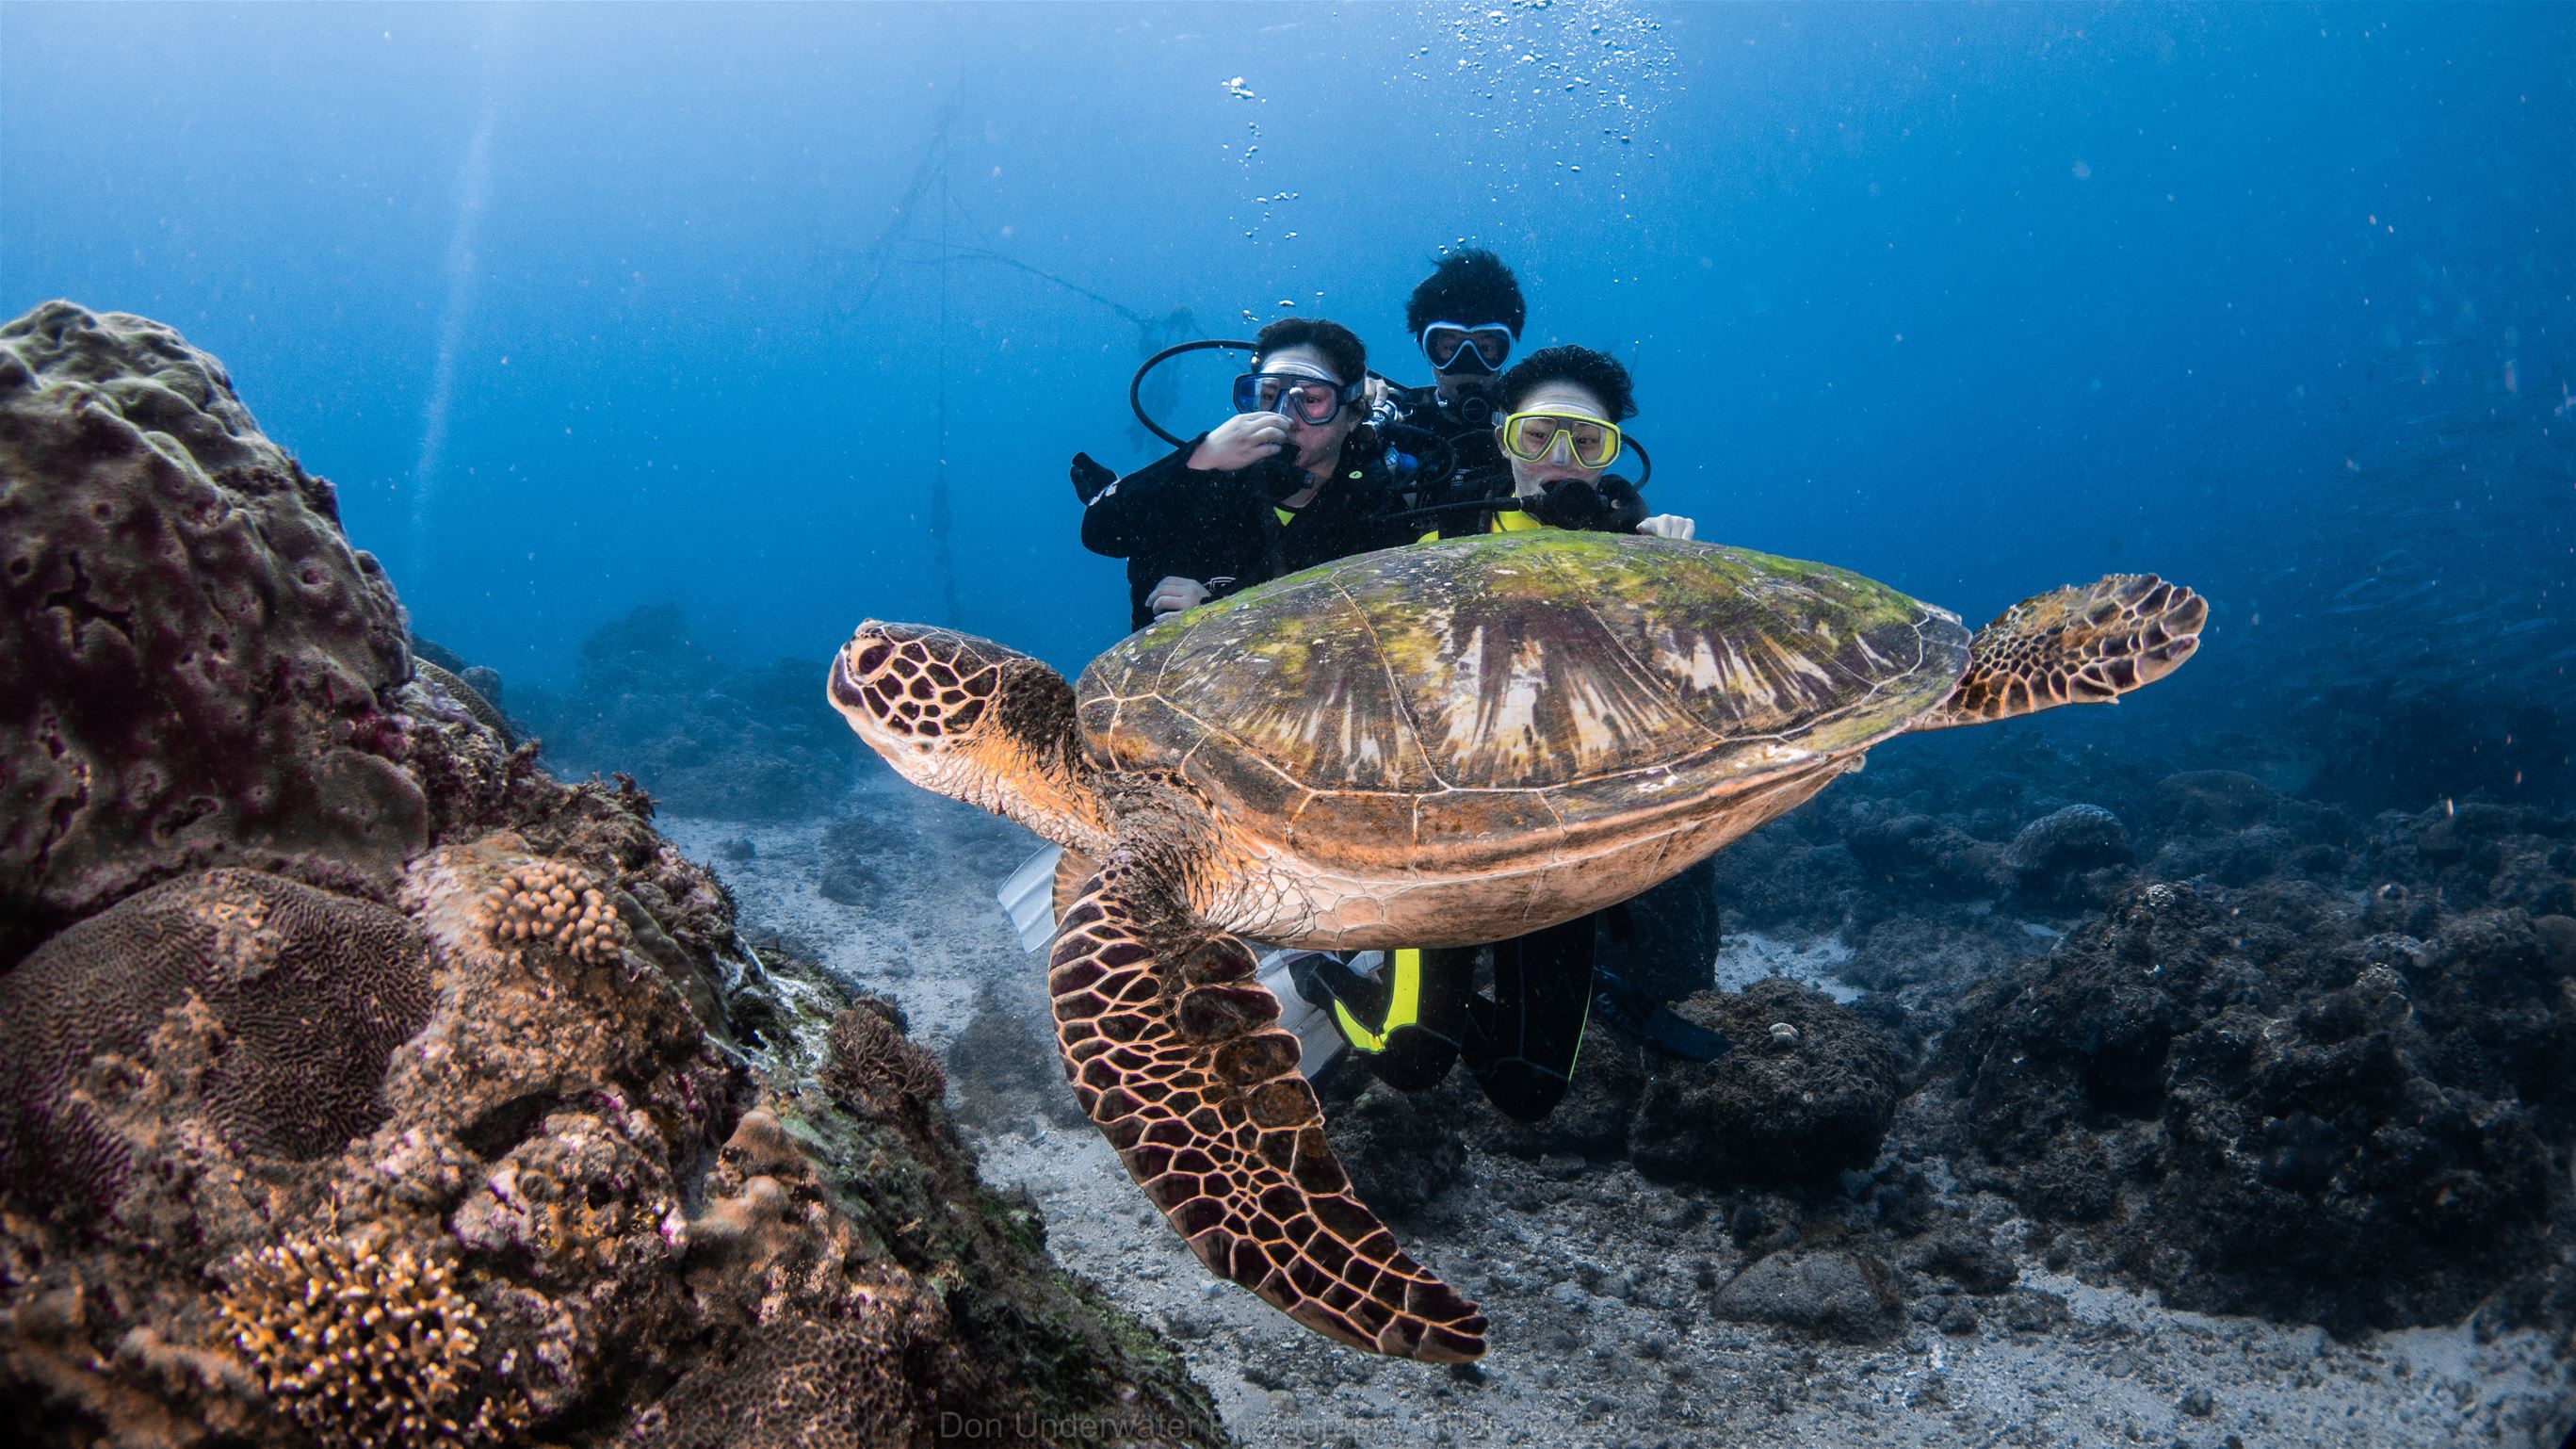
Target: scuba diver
[1558, 425]
[1558, 428]
[1295, 478]
[1466, 316]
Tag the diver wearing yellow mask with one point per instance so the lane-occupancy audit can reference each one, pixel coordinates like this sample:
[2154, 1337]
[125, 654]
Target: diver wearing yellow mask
[1558, 427]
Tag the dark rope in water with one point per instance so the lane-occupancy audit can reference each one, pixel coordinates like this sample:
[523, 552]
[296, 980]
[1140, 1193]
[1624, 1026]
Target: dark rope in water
[939, 515]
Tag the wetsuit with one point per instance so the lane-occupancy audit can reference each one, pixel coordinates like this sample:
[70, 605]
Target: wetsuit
[1170, 520]
[1521, 1043]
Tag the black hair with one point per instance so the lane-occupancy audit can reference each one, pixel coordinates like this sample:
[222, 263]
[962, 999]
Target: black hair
[1467, 287]
[1597, 373]
[1341, 347]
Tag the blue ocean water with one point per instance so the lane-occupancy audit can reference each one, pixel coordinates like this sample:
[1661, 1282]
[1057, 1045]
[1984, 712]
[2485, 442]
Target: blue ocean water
[585, 307]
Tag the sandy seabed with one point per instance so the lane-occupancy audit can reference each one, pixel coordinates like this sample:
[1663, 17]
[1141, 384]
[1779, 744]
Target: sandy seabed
[1597, 1280]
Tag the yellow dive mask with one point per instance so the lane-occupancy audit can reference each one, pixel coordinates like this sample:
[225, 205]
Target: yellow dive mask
[1589, 442]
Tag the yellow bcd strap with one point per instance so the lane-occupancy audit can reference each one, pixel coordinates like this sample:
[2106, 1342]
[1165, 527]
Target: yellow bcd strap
[1403, 1004]
[1508, 520]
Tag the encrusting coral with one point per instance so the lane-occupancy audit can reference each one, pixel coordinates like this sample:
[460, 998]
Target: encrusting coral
[436, 1126]
[366, 1349]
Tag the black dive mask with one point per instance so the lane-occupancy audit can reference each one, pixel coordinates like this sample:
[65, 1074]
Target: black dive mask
[1566, 503]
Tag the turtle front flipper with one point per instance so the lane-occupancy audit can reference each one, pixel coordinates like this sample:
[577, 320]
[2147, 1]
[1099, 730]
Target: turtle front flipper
[2082, 644]
[1169, 1041]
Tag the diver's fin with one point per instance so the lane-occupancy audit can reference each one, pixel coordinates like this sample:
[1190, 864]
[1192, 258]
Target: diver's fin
[1652, 1022]
[1174, 1051]
[2082, 644]
[1309, 1013]
[1073, 871]
[1029, 895]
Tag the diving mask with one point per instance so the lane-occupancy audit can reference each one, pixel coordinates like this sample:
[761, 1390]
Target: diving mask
[1586, 441]
[1457, 347]
[1312, 400]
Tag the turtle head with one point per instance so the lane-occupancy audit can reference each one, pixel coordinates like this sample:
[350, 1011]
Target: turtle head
[971, 719]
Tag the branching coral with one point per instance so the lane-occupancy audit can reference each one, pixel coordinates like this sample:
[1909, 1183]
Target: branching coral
[548, 903]
[364, 1345]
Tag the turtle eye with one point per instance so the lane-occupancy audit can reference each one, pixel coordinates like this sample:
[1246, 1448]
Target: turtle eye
[873, 656]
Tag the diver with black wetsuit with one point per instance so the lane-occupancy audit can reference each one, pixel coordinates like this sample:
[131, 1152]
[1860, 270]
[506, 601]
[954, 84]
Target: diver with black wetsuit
[1296, 478]
[1466, 317]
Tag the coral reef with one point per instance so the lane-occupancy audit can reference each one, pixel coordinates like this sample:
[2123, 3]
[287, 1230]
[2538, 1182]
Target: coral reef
[158, 546]
[872, 1069]
[1807, 1091]
[550, 905]
[466, 1117]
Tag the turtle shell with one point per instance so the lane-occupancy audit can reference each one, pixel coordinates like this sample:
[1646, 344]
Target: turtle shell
[1527, 681]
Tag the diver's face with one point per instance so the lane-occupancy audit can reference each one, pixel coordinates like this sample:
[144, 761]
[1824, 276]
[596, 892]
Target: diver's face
[1529, 478]
[1318, 446]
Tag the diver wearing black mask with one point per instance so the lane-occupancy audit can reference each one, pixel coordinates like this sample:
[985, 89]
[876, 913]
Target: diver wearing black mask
[1466, 317]
[1295, 478]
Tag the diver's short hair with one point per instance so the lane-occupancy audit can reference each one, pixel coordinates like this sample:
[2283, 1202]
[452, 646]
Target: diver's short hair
[1597, 373]
[1341, 346]
[1467, 287]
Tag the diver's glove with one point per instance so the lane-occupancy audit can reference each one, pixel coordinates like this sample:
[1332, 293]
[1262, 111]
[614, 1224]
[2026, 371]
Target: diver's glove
[1090, 478]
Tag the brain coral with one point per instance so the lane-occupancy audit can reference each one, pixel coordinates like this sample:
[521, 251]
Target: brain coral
[194, 652]
[312, 991]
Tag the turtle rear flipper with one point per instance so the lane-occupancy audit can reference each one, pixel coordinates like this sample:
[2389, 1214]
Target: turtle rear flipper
[2082, 644]
[1171, 1048]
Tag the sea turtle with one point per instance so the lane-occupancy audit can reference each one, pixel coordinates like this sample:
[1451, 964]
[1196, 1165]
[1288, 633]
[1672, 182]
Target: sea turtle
[1438, 745]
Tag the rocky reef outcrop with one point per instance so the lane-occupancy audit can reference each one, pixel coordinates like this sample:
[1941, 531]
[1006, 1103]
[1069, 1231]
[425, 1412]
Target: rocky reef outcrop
[2280, 1099]
[705, 737]
[2210, 1037]
[154, 545]
[362, 1084]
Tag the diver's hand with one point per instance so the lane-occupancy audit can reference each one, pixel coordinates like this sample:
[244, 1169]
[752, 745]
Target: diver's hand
[1173, 595]
[1668, 525]
[1241, 441]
